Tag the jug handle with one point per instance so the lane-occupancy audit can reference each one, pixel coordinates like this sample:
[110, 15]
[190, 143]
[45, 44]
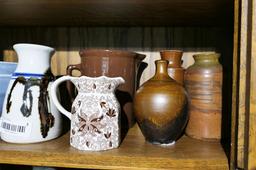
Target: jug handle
[53, 93]
[69, 71]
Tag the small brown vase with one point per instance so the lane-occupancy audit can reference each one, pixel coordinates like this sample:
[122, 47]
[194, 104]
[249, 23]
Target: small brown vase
[160, 107]
[203, 81]
[175, 70]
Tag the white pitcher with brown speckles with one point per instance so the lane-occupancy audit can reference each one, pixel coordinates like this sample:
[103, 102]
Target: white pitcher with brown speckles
[28, 114]
[95, 112]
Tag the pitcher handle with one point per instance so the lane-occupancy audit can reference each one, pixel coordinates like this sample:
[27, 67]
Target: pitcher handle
[70, 69]
[54, 95]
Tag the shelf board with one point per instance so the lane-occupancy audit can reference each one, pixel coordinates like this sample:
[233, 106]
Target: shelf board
[134, 153]
[115, 12]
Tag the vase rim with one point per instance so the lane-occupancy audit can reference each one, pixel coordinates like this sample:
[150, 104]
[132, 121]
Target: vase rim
[206, 55]
[111, 52]
[18, 45]
[8, 62]
[161, 61]
[170, 50]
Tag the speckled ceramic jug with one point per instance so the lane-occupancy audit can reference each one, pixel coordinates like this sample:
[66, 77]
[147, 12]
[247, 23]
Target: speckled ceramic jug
[95, 113]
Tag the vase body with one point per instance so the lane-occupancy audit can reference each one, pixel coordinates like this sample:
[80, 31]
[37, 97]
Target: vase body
[28, 112]
[113, 63]
[175, 70]
[95, 112]
[160, 107]
[203, 81]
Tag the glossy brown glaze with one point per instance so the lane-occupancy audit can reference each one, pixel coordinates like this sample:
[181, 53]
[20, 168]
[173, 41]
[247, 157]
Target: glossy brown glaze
[174, 68]
[160, 107]
[203, 81]
[113, 63]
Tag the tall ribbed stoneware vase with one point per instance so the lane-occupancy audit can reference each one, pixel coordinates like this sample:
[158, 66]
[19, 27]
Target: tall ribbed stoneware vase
[203, 81]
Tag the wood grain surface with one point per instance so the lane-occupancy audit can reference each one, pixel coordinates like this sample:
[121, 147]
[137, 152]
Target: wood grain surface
[235, 87]
[134, 153]
[114, 12]
[252, 116]
[246, 142]
[242, 85]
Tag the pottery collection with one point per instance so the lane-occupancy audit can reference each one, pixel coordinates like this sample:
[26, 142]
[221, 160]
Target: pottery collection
[95, 114]
[203, 81]
[107, 97]
[160, 106]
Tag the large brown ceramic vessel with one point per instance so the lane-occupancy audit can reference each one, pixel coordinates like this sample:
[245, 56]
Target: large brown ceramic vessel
[175, 70]
[203, 81]
[160, 107]
[113, 63]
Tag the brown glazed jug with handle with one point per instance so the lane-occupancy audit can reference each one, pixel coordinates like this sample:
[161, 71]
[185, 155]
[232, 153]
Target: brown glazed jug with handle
[175, 70]
[113, 63]
[160, 107]
[203, 81]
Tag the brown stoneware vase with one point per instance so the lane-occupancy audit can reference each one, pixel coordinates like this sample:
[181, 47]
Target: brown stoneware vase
[113, 63]
[175, 70]
[203, 81]
[160, 107]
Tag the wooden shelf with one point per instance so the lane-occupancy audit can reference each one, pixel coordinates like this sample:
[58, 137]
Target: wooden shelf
[115, 12]
[134, 153]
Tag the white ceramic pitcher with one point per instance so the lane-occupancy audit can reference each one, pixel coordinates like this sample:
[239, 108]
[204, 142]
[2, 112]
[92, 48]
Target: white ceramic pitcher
[95, 112]
[28, 114]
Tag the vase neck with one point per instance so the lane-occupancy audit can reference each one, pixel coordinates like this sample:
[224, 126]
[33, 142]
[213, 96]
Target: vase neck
[173, 56]
[161, 72]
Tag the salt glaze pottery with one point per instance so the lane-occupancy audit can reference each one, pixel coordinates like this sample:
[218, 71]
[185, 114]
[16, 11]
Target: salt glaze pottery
[203, 81]
[160, 107]
[28, 114]
[95, 112]
[6, 70]
[175, 70]
[113, 63]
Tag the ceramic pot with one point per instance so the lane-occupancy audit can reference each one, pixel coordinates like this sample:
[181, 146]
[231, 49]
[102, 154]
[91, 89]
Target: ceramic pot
[113, 63]
[175, 70]
[95, 113]
[6, 70]
[160, 107]
[28, 114]
[203, 81]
